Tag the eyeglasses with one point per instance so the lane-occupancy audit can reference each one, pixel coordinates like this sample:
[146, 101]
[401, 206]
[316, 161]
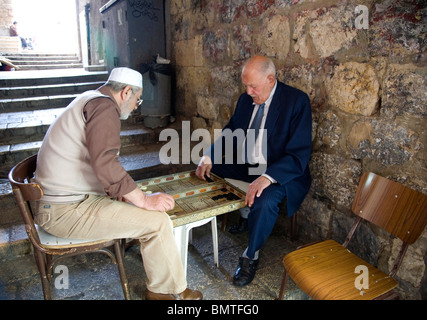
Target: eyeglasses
[139, 102]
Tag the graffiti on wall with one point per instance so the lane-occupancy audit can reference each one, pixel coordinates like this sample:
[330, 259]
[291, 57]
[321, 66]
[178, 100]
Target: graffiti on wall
[145, 8]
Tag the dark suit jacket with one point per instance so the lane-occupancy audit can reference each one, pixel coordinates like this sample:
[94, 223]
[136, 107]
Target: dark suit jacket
[288, 127]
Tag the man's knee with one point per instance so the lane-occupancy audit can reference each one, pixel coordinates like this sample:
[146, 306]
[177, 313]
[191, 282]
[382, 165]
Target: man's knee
[267, 205]
[163, 221]
[271, 197]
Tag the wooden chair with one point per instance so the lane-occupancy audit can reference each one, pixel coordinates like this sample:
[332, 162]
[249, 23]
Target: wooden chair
[328, 271]
[48, 249]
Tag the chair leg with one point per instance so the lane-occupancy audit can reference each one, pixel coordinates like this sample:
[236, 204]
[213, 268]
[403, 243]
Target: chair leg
[224, 221]
[294, 227]
[215, 240]
[41, 265]
[190, 236]
[118, 249]
[283, 285]
[123, 246]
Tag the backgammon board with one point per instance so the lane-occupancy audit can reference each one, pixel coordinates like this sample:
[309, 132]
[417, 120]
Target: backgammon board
[195, 199]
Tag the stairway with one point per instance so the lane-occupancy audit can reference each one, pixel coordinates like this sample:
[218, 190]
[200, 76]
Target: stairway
[29, 102]
[43, 61]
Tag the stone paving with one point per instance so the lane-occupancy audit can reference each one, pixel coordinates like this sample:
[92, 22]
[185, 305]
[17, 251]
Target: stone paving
[94, 277]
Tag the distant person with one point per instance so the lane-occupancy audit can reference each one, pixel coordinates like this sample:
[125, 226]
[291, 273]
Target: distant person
[13, 31]
[29, 43]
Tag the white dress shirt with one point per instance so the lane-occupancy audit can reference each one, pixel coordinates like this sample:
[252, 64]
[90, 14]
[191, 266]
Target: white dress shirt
[258, 147]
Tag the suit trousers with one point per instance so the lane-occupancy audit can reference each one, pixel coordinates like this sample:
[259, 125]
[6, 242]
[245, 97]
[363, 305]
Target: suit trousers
[99, 217]
[265, 209]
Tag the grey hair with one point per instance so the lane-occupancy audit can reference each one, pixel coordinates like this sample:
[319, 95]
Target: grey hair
[269, 68]
[119, 86]
[266, 66]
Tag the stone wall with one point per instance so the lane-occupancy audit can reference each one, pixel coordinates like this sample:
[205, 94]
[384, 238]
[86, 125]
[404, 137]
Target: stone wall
[6, 16]
[365, 72]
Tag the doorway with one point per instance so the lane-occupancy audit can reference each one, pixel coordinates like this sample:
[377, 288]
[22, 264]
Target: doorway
[50, 24]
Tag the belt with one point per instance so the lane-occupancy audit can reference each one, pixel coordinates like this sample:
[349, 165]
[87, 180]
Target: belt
[62, 198]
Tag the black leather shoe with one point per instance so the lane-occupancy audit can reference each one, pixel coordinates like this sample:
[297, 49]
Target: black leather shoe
[239, 228]
[245, 272]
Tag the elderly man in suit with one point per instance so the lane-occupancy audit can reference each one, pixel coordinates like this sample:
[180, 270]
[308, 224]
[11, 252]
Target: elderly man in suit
[277, 119]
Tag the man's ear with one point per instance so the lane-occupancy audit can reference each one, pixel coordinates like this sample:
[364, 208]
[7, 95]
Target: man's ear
[126, 93]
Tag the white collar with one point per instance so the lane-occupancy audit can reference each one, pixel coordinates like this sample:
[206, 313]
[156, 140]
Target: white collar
[268, 101]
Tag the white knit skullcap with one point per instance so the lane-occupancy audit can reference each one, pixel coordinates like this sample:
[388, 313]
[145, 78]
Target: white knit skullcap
[126, 76]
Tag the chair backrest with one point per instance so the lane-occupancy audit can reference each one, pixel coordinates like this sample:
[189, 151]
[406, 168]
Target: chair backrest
[393, 207]
[20, 178]
[24, 190]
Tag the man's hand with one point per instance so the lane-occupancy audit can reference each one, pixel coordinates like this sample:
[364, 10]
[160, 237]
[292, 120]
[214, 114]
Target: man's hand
[204, 168]
[157, 201]
[255, 189]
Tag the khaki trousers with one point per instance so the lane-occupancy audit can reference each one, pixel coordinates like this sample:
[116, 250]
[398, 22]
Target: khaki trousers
[99, 217]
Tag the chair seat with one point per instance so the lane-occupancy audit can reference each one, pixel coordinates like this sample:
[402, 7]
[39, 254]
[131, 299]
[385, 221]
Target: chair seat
[326, 271]
[53, 242]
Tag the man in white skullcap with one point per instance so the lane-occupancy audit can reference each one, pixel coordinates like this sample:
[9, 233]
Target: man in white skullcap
[83, 183]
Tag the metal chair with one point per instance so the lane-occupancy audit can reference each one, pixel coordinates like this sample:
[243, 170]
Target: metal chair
[48, 249]
[327, 270]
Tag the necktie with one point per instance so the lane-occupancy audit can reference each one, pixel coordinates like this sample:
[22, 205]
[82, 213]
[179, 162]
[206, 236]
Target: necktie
[256, 125]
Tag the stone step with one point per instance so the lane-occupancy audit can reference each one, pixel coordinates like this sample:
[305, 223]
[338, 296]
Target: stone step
[48, 90]
[50, 77]
[35, 57]
[132, 135]
[39, 61]
[10, 44]
[35, 103]
[50, 66]
[37, 54]
[20, 127]
[21, 63]
[97, 67]
[14, 242]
